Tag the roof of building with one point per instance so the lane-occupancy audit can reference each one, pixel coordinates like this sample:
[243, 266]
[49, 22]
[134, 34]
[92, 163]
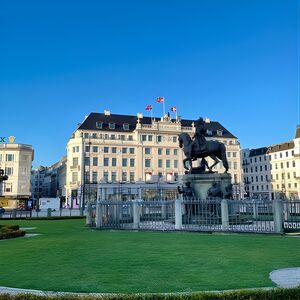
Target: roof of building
[258, 151]
[281, 147]
[119, 120]
[271, 149]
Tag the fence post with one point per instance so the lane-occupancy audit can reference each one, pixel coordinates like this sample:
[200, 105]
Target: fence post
[99, 213]
[224, 214]
[81, 211]
[88, 220]
[278, 215]
[49, 212]
[14, 214]
[136, 214]
[163, 210]
[178, 214]
[255, 209]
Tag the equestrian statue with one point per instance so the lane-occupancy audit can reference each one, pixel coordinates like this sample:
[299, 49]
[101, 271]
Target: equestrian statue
[199, 147]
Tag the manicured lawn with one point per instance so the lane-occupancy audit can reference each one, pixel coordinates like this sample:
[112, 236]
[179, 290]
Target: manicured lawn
[69, 257]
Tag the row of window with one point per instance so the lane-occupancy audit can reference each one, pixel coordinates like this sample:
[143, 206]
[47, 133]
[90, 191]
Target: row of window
[96, 149]
[265, 167]
[107, 136]
[278, 187]
[7, 157]
[113, 176]
[275, 156]
[159, 138]
[266, 177]
[9, 171]
[111, 125]
[113, 161]
[94, 176]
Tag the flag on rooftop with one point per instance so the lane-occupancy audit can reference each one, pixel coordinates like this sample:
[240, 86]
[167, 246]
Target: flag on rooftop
[173, 108]
[148, 107]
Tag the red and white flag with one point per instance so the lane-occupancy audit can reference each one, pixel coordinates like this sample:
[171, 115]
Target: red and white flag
[160, 99]
[148, 107]
[174, 109]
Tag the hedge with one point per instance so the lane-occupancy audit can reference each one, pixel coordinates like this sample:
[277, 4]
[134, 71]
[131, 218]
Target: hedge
[13, 227]
[56, 218]
[10, 232]
[259, 294]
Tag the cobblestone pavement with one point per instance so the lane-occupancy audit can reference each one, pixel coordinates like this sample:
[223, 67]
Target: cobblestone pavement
[286, 278]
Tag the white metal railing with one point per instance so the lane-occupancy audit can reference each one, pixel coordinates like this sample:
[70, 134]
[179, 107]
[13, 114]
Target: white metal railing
[197, 215]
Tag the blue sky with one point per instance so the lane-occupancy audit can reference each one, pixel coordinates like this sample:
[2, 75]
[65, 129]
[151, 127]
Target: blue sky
[232, 61]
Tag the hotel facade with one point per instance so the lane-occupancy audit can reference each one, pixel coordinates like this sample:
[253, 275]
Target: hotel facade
[135, 157]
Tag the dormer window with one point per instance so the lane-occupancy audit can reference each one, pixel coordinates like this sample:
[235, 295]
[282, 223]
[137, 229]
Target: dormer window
[99, 125]
[112, 125]
[209, 132]
[219, 132]
[126, 126]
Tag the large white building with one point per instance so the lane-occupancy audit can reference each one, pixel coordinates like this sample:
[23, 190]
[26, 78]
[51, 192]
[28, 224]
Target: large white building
[116, 149]
[15, 160]
[274, 171]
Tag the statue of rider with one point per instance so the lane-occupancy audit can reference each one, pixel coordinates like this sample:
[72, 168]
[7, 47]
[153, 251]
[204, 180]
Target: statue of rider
[199, 136]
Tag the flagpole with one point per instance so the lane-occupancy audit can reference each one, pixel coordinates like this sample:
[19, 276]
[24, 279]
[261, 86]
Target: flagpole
[164, 107]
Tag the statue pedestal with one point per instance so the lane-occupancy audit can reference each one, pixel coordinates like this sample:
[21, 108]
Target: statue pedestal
[201, 183]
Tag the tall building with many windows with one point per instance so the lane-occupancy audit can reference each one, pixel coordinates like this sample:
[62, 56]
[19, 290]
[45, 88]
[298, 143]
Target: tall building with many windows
[15, 160]
[49, 182]
[274, 171]
[110, 148]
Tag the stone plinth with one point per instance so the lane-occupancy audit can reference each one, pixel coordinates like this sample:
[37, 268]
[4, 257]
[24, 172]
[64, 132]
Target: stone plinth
[200, 183]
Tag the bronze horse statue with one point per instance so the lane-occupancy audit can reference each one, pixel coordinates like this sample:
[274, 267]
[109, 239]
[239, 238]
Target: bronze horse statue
[214, 149]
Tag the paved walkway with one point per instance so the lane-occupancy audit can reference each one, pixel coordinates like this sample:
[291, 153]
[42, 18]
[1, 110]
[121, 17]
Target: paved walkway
[15, 291]
[286, 278]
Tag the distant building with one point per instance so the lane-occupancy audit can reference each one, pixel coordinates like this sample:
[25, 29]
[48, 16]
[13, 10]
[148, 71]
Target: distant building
[15, 160]
[121, 149]
[273, 171]
[50, 181]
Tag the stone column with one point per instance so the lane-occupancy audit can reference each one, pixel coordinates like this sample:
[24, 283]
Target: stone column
[224, 214]
[178, 214]
[136, 214]
[99, 213]
[278, 215]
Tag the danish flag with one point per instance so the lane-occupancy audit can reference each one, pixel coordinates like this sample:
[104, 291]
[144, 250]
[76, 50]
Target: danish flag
[148, 107]
[160, 99]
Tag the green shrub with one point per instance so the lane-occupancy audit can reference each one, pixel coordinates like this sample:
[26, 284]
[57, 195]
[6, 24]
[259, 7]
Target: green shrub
[11, 234]
[10, 231]
[13, 227]
[272, 294]
[56, 218]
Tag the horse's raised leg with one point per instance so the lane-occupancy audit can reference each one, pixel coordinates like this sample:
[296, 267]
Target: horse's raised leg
[213, 157]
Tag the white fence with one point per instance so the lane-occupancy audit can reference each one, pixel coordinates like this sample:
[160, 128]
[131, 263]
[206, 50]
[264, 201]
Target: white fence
[197, 215]
[20, 213]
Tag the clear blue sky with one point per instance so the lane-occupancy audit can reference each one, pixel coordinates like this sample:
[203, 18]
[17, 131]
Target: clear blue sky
[231, 60]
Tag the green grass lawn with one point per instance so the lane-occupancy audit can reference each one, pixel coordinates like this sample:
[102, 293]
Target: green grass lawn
[67, 256]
